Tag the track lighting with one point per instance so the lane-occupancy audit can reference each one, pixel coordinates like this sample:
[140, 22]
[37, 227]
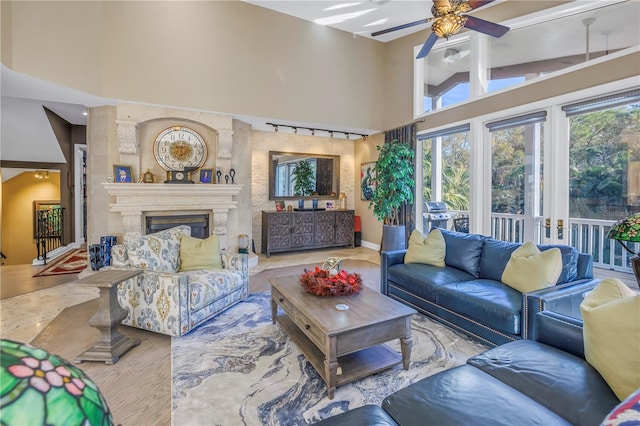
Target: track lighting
[313, 130]
[39, 174]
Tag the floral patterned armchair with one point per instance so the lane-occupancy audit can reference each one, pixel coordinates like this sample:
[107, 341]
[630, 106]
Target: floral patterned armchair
[168, 300]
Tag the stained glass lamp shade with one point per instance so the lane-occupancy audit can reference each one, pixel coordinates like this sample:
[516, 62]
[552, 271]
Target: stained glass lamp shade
[38, 388]
[628, 230]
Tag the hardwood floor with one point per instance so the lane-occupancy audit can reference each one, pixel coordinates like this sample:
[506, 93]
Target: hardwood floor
[137, 387]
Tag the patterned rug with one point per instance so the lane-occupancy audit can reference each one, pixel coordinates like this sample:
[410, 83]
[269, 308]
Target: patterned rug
[73, 262]
[239, 369]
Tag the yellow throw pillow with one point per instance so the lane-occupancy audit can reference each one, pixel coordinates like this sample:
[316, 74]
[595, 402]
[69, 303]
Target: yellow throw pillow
[611, 315]
[429, 250]
[196, 253]
[530, 269]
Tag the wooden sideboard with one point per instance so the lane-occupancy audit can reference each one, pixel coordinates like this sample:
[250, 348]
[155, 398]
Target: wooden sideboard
[304, 230]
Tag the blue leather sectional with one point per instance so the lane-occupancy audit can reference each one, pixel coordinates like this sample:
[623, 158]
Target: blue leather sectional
[467, 294]
[544, 381]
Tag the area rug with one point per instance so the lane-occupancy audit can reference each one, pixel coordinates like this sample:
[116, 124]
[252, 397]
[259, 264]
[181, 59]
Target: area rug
[73, 262]
[240, 369]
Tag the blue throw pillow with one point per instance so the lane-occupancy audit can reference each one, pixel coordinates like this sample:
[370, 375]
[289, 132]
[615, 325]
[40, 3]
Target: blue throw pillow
[463, 251]
[495, 256]
[569, 261]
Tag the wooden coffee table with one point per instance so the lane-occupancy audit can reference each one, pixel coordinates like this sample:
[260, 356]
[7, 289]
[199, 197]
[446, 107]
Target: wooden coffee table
[347, 345]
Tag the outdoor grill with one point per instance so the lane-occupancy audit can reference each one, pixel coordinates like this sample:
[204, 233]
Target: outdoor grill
[437, 215]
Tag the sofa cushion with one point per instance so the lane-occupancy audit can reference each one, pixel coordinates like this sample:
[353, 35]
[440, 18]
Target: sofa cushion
[564, 383]
[463, 251]
[196, 253]
[490, 302]
[421, 280]
[529, 269]
[495, 256]
[569, 261]
[465, 395]
[157, 252]
[429, 250]
[611, 315]
[206, 286]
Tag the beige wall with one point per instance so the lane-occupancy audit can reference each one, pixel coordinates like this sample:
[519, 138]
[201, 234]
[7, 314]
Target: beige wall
[365, 152]
[226, 56]
[18, 194]
[263, 142]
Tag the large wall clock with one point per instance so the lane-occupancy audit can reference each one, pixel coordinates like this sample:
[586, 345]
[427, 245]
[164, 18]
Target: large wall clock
[178, 149]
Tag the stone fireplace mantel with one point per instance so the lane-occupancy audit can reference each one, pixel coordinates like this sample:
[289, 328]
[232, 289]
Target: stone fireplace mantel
[135, 200]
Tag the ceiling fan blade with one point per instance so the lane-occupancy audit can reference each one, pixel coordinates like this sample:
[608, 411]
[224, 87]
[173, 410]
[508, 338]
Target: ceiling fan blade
[426, 48]
[400, 27]
[479, 3]
[485, 27]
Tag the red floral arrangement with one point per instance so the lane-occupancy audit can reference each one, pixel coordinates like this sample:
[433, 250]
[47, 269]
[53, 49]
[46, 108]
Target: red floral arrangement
[321, 283]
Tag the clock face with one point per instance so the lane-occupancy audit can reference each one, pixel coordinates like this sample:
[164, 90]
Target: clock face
[177, 148]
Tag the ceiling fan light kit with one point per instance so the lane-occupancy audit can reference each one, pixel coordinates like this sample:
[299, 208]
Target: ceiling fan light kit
[448, 25]
[448, 19]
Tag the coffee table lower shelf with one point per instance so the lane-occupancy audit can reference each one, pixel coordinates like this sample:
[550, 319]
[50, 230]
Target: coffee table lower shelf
[353, 366]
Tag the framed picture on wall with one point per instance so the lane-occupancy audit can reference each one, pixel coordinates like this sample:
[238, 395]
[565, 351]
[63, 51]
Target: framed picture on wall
[121, 173]
[367, 180]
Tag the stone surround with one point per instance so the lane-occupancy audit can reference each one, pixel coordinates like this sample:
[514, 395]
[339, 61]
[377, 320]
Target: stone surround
[135, 200]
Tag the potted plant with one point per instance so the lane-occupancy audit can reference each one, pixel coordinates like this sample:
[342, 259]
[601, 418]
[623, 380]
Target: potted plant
[394, 188]
[303, 180]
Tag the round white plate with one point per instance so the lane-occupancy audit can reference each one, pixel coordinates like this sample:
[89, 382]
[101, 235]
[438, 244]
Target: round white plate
[342, 307]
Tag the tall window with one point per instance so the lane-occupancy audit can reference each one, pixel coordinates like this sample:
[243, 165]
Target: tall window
[604, 165]
[516, 176]
[604, 157]
[445, 167]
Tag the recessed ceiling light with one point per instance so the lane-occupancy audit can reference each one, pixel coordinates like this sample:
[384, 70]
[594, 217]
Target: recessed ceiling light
[331, 20]
[85, 113]
[342, 5]
[378, 22]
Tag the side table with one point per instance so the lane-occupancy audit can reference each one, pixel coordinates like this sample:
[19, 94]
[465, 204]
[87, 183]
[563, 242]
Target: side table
[111, 344]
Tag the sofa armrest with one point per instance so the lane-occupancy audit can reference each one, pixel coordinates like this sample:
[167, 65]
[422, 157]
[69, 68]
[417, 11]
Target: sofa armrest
[561, 331]
[156, 301]
[237, 262]
[387, 259]
[563, 299]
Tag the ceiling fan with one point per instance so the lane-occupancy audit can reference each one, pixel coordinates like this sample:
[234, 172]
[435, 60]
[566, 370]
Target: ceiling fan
[448, 18]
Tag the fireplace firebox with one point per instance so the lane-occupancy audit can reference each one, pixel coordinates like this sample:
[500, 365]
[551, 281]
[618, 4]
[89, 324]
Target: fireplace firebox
[199, 224]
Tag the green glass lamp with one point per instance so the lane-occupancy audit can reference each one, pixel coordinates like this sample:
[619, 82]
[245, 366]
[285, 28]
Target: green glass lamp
[39, 388]
[628, 229]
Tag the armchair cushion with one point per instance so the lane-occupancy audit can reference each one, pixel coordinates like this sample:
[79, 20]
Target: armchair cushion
[429, 250]
[529, 269]
[196, 253]
[611, 315]
[158, 252]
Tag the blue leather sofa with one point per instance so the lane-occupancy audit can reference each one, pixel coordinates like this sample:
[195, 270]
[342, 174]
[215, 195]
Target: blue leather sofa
[467, 293]
[544, 381]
